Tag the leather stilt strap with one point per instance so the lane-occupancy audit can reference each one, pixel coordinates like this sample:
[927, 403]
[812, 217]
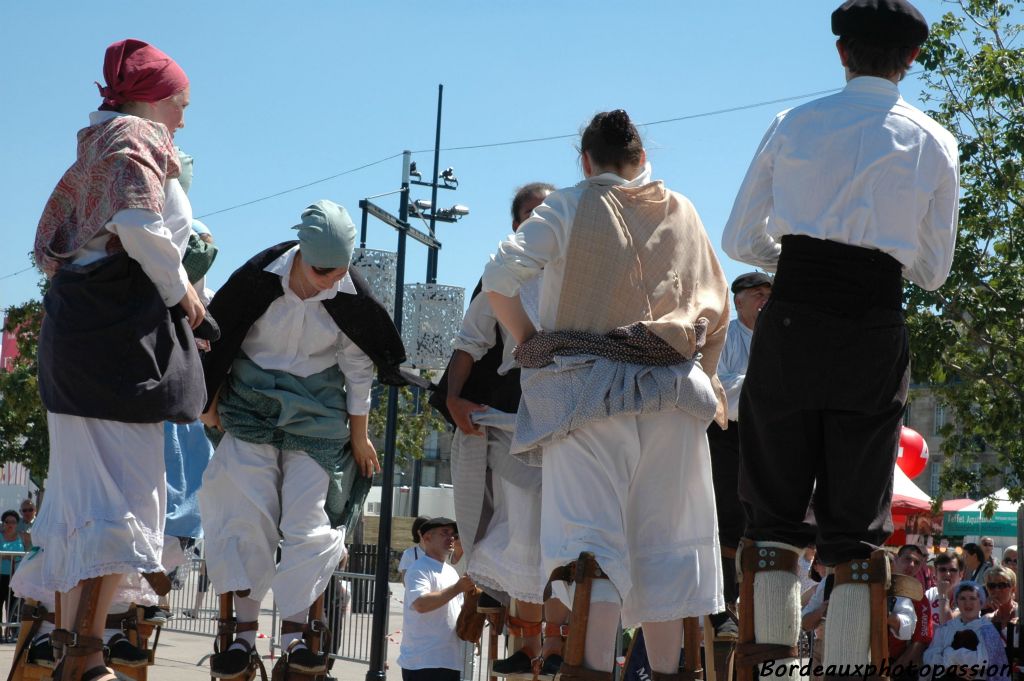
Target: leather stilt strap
[749, 654]
[123, 621]
[521, 628]
[289, 627]
[36, 614]
[728, 552]
[754, 559]
[573, 572]
[160, 582]
[552, 630]
[874, 570]
[75, 644]
[570, 672]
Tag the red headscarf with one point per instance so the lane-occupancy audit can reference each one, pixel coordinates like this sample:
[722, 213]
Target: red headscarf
[138, 72]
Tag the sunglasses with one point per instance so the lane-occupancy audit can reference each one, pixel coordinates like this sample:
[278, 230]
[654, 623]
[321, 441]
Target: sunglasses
[998, 585]
[947, 570]
[28, 510]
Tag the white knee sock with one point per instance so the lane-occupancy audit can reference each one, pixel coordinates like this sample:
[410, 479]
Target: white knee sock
[848, 625]
[777, 607]
[286, 639]
[246, 610]
[664, 641]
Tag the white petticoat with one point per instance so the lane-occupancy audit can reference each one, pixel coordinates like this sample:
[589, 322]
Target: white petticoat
[636, 491]
[103, 510]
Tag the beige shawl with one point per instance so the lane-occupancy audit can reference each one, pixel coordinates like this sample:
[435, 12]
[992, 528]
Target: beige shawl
[641, 254]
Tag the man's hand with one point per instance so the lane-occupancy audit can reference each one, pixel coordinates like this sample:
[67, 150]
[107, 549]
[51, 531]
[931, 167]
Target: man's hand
[193, 307]
[943, 588]
[365, 456]
[464, 584]
[460, 410]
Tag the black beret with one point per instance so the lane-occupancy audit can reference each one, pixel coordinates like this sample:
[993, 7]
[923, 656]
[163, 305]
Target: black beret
[437, 522]
[751, 280]
[888, 23]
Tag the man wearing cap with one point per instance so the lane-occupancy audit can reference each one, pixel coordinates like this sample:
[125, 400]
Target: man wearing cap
[750, 293]
[846, 196]
[433, 597]
[289, 384]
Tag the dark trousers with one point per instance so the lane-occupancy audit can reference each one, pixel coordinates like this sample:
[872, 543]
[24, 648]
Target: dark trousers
[725, 469]
[432, 674]
[823, 399]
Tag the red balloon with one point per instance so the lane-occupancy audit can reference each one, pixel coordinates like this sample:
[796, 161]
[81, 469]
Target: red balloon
[913, 452]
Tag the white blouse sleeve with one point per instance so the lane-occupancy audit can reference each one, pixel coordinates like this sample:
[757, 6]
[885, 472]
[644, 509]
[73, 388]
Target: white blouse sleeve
[479, 329]
[745, 237]
[539, 240]
[358, 370]
[148, 242]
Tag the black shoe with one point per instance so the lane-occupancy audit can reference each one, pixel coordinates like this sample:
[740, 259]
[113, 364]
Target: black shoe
[41, 652]
[156, 615]
[302, 659]
[233, 662]
[122, 652]
[488, 603]
[516, 663]
[552, 665]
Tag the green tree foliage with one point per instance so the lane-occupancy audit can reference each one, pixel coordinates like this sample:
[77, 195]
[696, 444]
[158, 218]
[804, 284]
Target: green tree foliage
[416, 421]
[23, 435]
[967, 337]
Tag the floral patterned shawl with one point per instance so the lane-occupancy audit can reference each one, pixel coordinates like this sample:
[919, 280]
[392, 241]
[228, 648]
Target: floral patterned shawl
[122, 163]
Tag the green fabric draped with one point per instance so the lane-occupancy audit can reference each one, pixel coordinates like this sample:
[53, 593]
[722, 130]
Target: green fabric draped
[265, 406]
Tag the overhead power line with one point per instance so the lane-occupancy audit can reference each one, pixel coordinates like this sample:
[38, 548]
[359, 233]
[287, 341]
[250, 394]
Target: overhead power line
[467, 147]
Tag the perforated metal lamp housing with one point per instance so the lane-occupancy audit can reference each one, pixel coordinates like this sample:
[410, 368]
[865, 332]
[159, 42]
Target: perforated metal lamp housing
[378, 268]
[431, 318]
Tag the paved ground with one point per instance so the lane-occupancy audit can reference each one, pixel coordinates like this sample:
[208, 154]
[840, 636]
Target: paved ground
[178, 653]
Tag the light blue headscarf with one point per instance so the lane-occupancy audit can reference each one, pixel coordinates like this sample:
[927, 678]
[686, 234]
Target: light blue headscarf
[327, 235]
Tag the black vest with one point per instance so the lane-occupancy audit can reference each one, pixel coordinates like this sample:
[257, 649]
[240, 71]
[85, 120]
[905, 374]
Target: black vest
[250, 291]
[484, 384]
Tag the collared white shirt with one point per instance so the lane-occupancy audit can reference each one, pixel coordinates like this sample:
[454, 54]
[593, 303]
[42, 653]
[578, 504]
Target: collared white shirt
[298, 336]
[540, 244]
[732, 365]
[428, 638]
[860, 167]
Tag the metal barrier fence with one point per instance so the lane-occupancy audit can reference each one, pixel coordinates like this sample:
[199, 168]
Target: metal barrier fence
[10, 616]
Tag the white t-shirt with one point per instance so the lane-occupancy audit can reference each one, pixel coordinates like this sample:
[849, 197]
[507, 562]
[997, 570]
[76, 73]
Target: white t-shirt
[428, 638]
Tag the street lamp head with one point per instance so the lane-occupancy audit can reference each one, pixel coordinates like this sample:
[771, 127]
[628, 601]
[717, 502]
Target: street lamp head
[459, 209]
[423, 204]
[448, 177]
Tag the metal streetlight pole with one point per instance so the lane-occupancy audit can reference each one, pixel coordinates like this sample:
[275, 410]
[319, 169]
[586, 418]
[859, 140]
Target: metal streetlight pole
[417, 467]
[381, 591]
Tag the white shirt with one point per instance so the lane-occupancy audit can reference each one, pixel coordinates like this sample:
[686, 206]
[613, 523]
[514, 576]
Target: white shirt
[156, 241]
[860, 167]
[477, 334]
[298, 336]
[732, 369]
[428, 638]
[541, 242]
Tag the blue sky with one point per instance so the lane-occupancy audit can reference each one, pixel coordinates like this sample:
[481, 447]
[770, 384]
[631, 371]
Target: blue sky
[287, 93]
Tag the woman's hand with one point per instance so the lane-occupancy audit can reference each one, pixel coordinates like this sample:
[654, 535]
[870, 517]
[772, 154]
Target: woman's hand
[193, 307]
[365, 456]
